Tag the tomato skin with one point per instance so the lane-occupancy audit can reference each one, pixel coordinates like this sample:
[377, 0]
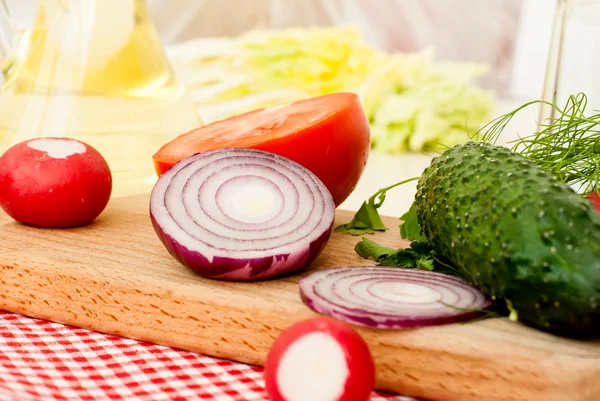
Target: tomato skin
[53, 192]
[335, 148]
[339, 155]
[595, 199]
[361, 379]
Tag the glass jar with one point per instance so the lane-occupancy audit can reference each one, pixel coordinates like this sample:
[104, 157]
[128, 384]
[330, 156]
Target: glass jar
[574, 58]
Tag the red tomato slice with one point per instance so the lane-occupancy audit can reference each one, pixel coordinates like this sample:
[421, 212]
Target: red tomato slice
[329, 135]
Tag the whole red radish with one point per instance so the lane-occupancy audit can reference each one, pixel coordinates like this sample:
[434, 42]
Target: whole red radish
[54, 182]
[319, 359]
[595, 199]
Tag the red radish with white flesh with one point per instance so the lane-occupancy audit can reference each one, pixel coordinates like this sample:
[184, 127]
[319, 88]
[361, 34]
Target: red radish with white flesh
[391, 297]
[241, 214]
[54, 182]
[319, 359]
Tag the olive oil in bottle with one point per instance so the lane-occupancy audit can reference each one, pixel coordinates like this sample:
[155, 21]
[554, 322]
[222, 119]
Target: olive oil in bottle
[95, 70]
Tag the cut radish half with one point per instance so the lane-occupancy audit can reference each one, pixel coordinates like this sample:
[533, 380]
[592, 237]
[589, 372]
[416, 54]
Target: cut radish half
[241, 214]
[319, 359]
[391, 297]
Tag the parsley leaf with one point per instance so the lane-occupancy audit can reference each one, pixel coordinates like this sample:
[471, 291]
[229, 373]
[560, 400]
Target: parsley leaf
[418, 256]
[368, 248]
[367, 219]
[410, 228]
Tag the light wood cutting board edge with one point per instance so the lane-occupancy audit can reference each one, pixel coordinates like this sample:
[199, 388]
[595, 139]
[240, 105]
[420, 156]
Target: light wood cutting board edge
[436, 363]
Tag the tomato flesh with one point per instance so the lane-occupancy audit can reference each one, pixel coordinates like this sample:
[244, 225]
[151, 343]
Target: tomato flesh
[329, 135]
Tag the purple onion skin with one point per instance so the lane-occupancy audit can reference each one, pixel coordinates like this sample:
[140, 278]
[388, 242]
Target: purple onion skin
[318, 245]
[260, 268]
[416, 323]
[230, 269]
[373, 317]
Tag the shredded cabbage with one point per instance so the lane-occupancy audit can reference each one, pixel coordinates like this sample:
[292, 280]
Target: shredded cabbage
[413, 103]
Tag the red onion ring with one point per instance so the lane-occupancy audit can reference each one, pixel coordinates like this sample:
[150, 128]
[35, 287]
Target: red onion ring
[241, 214]
[390, 297]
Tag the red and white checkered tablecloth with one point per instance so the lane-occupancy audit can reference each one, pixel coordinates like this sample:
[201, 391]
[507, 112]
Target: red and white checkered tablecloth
[41, 360]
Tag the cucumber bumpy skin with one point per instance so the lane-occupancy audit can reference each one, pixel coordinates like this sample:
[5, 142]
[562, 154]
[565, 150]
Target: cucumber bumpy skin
[516, 233]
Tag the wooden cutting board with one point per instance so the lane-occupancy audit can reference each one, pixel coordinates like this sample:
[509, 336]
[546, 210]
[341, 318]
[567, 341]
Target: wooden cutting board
[115, 276]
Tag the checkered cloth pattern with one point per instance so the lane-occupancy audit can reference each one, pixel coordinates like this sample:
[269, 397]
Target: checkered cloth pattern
[41, 360]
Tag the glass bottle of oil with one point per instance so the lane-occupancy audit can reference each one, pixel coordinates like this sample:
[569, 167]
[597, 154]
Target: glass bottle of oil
[95, 70]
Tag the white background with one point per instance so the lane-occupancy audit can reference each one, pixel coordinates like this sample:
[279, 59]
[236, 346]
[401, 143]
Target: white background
[510, 35]
[513, 36]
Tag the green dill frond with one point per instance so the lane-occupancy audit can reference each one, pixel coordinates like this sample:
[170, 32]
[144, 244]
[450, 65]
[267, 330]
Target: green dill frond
[568, 147]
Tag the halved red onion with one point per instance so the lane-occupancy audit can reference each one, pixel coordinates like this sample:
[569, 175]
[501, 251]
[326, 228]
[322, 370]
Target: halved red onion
[391, 297]
[241, 214]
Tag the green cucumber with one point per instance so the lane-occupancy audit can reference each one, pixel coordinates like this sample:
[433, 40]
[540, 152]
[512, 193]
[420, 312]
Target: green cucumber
[516, 233]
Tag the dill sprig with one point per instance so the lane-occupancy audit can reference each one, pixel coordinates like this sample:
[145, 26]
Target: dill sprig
[568, 146]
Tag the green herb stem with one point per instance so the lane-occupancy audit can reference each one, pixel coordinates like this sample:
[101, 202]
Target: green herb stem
[367, 219]
[380, 195]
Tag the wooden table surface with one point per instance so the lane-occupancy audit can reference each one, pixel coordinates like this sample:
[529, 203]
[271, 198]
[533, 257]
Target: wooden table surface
[115, 276]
